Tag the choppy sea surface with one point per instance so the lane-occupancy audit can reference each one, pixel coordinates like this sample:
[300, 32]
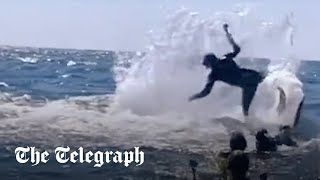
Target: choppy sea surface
[61, 97]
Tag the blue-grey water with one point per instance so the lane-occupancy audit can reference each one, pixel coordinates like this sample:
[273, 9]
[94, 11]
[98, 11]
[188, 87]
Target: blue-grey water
[57, 74]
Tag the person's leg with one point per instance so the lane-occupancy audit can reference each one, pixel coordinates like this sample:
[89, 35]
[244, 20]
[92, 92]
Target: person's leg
[250, 80]
[247, 97]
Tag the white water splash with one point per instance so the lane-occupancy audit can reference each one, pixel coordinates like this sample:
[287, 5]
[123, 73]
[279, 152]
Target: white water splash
[161, 81]
[150, 106]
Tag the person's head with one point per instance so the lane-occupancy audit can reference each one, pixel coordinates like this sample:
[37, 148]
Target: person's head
[238, 141]
[238, 164]
[261, 135]
[285, 129]
[209, 60]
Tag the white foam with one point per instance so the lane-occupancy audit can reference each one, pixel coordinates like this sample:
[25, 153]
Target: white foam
[150, 105]
[66, 75]
[4, 84]
[88, 63]
[71, 63]
[29, 60]
[171, 70]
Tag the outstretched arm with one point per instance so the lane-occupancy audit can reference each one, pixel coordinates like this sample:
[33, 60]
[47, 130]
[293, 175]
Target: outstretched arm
[235, 46]
[204, 92]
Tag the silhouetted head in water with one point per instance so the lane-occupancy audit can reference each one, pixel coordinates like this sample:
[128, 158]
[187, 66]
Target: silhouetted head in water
[237, 141]
[209, 60]
[261, 135]
[284, 137]
[264, 142]
[238, 165]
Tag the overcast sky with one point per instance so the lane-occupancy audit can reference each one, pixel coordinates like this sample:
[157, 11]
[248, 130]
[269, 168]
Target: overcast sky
[122, 24]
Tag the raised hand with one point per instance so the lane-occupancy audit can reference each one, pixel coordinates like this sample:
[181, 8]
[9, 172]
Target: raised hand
[225, 27]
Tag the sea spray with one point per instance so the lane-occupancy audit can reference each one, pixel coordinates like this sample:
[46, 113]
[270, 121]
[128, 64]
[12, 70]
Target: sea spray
[170, 71]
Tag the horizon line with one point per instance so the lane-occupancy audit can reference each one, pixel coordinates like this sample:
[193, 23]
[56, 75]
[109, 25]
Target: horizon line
[105, 50]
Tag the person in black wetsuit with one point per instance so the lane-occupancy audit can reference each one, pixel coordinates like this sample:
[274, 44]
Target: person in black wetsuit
[226, 70]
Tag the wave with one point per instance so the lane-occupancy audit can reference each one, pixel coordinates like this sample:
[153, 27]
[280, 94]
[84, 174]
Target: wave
[170, 71]
[150, 104]
[4, 84]
[29, 60]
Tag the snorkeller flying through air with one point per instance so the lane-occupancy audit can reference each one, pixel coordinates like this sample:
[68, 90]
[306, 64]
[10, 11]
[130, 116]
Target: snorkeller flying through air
[228, 71]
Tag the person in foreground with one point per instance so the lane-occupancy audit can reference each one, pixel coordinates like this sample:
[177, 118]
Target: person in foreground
[228, 162]
[226, 70]
[238, 165]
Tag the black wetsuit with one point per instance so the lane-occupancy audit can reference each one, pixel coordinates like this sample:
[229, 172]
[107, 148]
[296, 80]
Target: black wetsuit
[226, 70]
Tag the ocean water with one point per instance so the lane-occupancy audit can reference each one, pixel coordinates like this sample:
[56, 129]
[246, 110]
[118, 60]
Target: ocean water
[42, 88]
[118, 100]
[37, 76]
